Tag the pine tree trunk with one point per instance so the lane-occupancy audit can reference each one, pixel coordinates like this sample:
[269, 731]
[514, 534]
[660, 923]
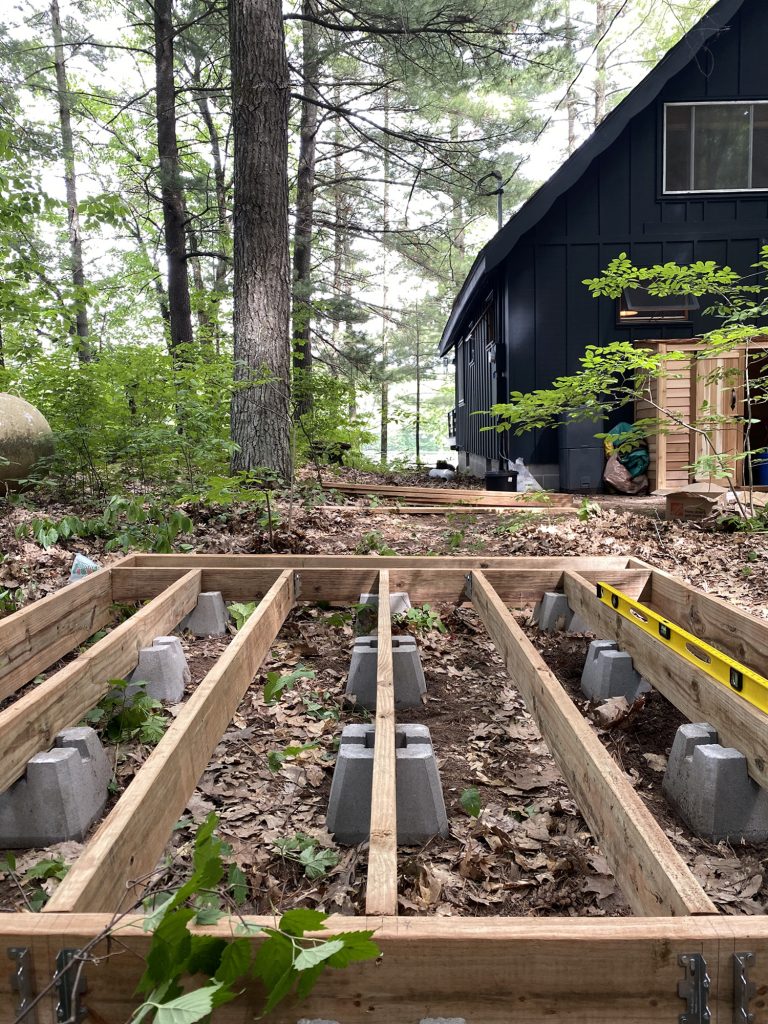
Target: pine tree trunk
[601, 76]
[171, 191]
[571, 101]
[384, 438]
[305, 208]
[261, 426]
[84, 350]
[418, 397]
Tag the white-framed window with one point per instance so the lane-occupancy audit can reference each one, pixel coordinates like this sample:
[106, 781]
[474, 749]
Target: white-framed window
[715, 147]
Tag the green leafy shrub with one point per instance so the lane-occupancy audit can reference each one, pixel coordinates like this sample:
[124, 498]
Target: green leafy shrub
[314, 859]
[278, 683]
[119, 717]
[424, 619]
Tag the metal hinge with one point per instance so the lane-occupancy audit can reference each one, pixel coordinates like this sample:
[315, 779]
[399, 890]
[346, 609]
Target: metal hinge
[468, 585]
[694, 989]
[296, 585]
[743, 989]
[23, 982]
[70, 985]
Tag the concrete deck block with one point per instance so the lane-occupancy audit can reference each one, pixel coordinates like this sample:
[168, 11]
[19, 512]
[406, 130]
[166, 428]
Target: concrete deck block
[399, 601]
[420, 805]
[61, 794]
[410, 685]
[709, 787]
[163, 667]
[552, 613]
[609, 672]
[210, 617]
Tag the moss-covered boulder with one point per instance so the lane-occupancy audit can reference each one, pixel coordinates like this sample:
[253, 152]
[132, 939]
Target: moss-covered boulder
[25, 438]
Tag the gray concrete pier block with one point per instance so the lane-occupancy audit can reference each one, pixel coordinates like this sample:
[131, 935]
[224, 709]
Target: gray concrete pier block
[399, 601]
[410, 685]
[61, 794]
[210, 617]
[420, 805]
[709, 787]
[553, 614]
[609, 672]
[163, 667]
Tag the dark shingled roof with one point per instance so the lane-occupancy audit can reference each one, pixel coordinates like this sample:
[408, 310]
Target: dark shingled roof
[541, 202]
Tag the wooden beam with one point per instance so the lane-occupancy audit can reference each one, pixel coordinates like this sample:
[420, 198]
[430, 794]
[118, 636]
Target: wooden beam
[720, 623]
[30, 723]
[34, 638]
[444, 510]
[433, 584]
[487, 970]
[341, 561]
[650, 872]
[131, 839]
[699, 697]
[456, 496]
[381, 888]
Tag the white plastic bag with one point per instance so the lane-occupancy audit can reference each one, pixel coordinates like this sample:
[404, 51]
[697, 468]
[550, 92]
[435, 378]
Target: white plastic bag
[441, 474]
[525, 481]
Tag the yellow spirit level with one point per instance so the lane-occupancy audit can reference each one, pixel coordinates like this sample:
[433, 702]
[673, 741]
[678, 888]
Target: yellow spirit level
[748, 684]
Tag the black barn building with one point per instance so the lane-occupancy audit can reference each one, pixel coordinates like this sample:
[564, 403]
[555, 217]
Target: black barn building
[677, 172]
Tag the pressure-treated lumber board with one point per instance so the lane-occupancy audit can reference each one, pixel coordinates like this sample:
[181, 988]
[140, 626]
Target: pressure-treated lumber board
[443, 510]
[290, 561]
[344, 586]
[34, 638]
[486, 970]
[381, 888]
[650, 872]
[699, 697]
[131, 839]
[721, 624]
[454, 496]
[30, 723]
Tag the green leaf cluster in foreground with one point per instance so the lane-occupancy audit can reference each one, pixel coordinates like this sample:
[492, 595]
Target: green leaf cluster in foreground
[291, 957]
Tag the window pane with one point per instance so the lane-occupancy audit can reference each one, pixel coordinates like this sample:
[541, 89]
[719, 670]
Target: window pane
[721, 147]
[760, 147]
[678, 149]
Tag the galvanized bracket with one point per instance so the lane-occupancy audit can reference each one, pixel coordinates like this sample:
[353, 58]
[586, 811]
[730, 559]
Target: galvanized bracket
[296, 585]
[694, 989]
[743, 989]
[23, 982]
[70, 985]
[468, 585]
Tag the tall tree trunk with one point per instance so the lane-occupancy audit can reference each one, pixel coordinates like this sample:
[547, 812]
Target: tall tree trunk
[305, 204]
[171, 190]
[341, 218]
[384, 446]
[601, 55]
[458, 230]
[261, 425]
[418, 396]
[2, 349]
[571, 102]
[84, 350]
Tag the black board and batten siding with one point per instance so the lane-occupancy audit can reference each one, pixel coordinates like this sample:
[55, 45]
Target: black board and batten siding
[546, 316]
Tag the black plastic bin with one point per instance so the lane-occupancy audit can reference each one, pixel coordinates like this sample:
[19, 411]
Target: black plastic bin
[501, 480]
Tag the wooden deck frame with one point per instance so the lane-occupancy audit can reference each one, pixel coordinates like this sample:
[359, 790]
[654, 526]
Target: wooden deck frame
[488, 970]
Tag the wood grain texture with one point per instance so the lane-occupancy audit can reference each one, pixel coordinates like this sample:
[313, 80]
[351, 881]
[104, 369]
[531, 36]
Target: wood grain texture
[291, 561]
[433, 583]
[381, 888]
[487, 970]
[131, 839]
[34, 638]
[30, 723]
[456, 496]
[651, 874]
[699, 697]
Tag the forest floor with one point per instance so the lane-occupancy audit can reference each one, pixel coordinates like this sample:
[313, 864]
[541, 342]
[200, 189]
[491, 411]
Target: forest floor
[529, 852]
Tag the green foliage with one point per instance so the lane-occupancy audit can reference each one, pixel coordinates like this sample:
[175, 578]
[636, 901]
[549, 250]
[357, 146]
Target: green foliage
[321, 706]
[470, 801]
[424, 619]
[510, 525]
[119, 717]
[292, 956]
[35, 895]
[276, 758]
[126, 523]
[278, 683]
[587, 510]
[373, 543]
[315, 860]
[242, 612]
